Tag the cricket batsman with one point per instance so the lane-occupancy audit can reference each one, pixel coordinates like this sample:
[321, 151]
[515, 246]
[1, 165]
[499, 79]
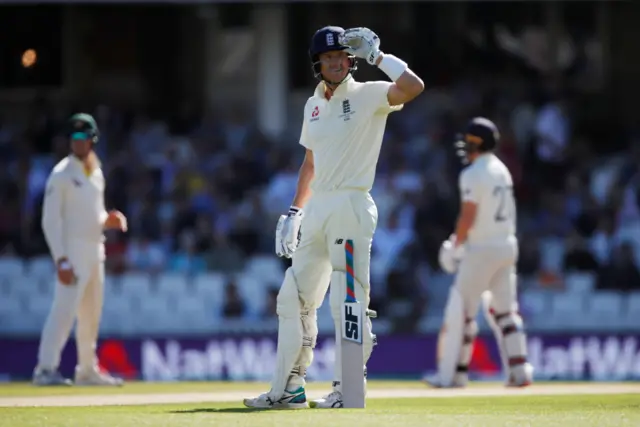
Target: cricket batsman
[73, 221]
[342, 130]
[482, 253]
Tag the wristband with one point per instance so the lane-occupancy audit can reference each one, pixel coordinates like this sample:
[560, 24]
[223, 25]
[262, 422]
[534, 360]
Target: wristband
[392, 66]
[294, 210]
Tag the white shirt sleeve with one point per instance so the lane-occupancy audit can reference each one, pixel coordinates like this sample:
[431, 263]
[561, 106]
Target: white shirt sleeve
[52, 213]
[103, 213]
[376, 96]
[304, 138]
[470, 186]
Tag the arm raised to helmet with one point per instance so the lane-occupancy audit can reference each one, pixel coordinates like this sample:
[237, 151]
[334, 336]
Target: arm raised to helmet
[406, 87]
[364, 43]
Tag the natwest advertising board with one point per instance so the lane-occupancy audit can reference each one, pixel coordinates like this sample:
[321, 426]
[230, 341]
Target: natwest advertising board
[561, 357]
[596, 357]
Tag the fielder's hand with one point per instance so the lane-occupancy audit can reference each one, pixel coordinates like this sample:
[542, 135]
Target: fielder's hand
[288, 232]
[449, 256]
[116, 220]
[66, 275]
[362, 43]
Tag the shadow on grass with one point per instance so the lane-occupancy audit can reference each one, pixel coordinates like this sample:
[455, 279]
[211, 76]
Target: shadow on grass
[218, 410]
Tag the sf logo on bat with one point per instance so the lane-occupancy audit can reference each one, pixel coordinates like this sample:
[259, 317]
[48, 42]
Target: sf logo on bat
[352, 322]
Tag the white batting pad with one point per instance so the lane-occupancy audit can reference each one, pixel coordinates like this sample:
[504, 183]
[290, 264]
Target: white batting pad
[290, 334]
[487, 298]
[453, 335]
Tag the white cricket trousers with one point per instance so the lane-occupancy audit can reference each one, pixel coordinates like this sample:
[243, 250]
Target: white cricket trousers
[489, 267]
[83, 299]
[332, 218]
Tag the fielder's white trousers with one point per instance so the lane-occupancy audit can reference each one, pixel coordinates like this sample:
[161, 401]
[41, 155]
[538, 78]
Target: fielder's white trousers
[83, 299]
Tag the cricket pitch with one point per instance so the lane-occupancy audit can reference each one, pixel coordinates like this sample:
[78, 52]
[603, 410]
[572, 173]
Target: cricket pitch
[24, 395]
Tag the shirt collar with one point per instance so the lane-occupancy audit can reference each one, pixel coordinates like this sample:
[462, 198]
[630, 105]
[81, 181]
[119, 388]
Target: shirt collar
[78, 164]
[341, 90]
[484, 158]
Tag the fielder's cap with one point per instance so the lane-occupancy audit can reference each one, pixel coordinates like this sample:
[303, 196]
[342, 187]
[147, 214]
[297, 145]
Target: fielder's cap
[82, 126]
[80, 135]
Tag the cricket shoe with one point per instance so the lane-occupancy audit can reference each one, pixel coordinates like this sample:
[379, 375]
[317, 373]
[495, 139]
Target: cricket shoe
[434, 381]
[50, 377]
[94, 377]
[521, 376]
[329, 401]
[290, 400]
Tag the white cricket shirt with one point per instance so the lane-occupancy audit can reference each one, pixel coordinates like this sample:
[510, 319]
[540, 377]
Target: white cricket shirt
[488, 183]
[73, 207]
[345, 134]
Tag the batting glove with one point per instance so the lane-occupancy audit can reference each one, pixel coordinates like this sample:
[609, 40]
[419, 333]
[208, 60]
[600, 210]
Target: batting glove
[288, 232]
[450, 256]
[362, 43]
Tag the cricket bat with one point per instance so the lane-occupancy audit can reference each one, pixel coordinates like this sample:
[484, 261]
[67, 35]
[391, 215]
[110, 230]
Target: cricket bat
[353, 392]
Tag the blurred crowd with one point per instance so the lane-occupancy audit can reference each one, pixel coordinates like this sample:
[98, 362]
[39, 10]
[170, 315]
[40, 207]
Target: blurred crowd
[203, 190]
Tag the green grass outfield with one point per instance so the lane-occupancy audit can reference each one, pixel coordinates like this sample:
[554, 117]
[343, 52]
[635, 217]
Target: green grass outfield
[401, 404]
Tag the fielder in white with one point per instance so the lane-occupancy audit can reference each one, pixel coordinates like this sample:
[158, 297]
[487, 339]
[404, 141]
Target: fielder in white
[342, 132]
[73, 221]
[483, 254]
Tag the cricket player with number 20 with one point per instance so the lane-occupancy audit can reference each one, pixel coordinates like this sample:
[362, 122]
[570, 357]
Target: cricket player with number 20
[73, 221]
[330, 225]
[483, 254]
